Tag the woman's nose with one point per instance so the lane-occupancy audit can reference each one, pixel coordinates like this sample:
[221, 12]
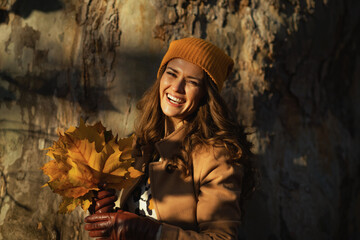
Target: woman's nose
[178, 85]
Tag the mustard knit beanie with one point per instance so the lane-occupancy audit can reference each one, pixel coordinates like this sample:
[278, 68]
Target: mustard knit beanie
[210, 58]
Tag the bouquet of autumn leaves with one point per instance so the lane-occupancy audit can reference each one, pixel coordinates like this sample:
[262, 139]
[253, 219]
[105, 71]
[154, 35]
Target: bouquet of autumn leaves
[85, 157]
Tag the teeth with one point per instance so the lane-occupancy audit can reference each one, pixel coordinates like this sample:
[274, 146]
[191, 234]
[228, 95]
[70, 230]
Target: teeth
[174, 99]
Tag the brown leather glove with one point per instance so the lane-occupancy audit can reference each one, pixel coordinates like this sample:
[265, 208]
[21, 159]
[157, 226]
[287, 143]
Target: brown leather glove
[121, 225]
[103, 202]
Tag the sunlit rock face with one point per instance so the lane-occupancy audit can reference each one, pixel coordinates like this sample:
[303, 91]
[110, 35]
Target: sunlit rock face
[295, 87]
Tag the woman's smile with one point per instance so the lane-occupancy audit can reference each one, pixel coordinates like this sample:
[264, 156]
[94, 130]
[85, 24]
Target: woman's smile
[174, 100]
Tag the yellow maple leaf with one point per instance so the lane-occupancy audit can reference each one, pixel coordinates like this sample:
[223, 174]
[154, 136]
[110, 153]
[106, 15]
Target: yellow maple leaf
[94, 133]
[69, 204]
[112, 162]
[85, 157]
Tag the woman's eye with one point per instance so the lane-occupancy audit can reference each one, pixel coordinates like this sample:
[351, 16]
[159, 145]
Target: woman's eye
[171, 74]
[194, 83]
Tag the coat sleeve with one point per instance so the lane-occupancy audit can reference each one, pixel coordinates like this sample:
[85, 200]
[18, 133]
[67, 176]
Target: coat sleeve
[218, 185]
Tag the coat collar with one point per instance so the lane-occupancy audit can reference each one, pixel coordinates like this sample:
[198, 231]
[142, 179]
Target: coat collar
[171, 144]
[166, 147]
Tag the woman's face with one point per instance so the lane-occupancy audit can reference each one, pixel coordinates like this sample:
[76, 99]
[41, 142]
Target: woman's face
[181, 89]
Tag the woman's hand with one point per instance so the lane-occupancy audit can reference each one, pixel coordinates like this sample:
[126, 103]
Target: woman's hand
[103, 202]
[121, 225]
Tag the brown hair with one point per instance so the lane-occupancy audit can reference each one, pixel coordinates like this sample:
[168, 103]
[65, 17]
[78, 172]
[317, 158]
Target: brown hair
[211, 124]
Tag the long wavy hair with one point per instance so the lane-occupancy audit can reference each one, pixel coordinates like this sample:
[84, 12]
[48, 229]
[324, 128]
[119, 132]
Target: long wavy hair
[211, 124]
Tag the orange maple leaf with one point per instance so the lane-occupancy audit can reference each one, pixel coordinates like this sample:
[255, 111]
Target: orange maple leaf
[85, 157]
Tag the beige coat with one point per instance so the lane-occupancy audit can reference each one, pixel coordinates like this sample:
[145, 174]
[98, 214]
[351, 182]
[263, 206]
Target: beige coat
[205, 206]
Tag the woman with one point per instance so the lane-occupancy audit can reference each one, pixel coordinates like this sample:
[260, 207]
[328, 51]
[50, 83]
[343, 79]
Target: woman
[196, 160]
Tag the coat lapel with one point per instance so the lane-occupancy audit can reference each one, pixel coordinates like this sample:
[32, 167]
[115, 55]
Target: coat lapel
[167, 148]
[171, 145]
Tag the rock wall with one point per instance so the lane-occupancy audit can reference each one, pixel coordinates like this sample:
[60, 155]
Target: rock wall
[295, 87]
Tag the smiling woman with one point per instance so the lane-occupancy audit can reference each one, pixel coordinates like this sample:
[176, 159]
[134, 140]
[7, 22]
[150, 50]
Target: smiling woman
[197, 162]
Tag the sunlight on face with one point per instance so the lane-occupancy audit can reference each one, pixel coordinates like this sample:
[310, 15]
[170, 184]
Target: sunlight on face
[181, 88]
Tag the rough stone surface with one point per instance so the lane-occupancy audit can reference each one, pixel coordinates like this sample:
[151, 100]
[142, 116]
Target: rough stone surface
[295, 87]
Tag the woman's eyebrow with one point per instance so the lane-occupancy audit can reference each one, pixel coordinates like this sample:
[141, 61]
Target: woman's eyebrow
[192, 77]
[199, 79]
[174, 70]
